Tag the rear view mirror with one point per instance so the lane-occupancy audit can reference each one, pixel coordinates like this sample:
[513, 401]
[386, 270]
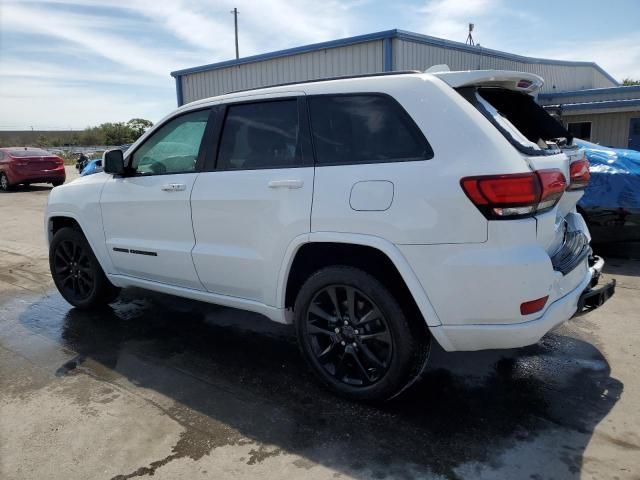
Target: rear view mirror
[114, 162]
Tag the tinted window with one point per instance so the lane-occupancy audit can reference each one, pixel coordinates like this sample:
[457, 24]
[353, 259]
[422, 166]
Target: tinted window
[261, 135]
[29, 152]
[174, 147]
[364, 128]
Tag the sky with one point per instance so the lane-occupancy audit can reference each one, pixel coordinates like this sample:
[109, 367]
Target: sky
[69, 64]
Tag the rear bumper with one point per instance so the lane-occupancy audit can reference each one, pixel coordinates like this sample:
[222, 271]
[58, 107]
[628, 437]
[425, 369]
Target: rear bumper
[16, 175]
[45, 179]
[484, 337]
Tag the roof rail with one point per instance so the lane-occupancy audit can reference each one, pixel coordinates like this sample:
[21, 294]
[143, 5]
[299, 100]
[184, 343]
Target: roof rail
[326, 79]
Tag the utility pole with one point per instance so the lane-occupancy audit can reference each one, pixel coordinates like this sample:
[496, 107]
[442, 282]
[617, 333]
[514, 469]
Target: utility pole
[235, 23]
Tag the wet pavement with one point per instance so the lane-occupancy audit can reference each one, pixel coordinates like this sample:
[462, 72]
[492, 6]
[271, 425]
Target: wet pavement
[200, 380]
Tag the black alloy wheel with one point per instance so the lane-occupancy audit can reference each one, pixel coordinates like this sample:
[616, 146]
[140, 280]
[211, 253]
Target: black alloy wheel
[73, 271]
[356, 337]
[76, 271]
[349, 336]
[4, 182]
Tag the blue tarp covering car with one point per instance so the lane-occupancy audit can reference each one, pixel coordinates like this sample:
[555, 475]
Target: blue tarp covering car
[94, 166]
[611, 203]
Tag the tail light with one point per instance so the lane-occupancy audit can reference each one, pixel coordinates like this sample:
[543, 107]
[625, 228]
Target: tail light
[515, 195]
[578, 174]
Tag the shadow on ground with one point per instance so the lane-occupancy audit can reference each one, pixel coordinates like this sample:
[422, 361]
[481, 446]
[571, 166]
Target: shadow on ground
[235, 375]
[41, 187]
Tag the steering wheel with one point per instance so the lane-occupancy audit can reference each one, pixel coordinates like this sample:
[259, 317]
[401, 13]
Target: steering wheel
[157, 167]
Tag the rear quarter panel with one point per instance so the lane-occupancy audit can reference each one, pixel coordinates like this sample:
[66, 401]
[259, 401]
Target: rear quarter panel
[429, 206]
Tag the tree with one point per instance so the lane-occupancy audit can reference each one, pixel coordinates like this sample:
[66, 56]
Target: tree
[93, 136]
[117, 133]
[630, 81]
[139, 126]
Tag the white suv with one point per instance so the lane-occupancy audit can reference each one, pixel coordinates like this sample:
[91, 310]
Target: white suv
[372, 212]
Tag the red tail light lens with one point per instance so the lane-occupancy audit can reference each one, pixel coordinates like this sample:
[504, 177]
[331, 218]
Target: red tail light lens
[515, 195]
[579, 174]
[533, 306]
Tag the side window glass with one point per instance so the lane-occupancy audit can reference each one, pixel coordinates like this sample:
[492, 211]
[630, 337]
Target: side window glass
[364, 128]
[174, 147]
[261, 135]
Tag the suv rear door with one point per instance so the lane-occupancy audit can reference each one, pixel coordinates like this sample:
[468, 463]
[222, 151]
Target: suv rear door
[504, 98]
[255, 197]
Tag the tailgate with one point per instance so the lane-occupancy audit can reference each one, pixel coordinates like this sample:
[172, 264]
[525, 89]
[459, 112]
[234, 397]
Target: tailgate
[37, 164]
[544, 144]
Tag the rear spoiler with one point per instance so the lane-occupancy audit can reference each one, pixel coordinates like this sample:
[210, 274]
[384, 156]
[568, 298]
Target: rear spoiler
[510, 80]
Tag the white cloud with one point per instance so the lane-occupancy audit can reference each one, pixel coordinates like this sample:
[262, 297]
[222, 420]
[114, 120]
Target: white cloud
[49, 105]
[13, 68]
[450, 18]
[619, 56]
[83, 30]
[86, 61]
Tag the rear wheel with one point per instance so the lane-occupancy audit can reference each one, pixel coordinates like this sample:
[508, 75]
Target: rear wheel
[76, 271]
[4, 182]
[355, 335]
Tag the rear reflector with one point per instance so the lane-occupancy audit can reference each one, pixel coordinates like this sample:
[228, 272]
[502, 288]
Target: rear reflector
[578, 174]
[515, 195]
[533, 306]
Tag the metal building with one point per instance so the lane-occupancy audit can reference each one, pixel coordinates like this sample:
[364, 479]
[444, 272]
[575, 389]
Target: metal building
[397, 50]
[608, 116]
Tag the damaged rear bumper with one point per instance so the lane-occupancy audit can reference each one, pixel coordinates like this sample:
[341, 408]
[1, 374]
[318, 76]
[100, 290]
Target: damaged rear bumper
[593, 297]
[582, 298]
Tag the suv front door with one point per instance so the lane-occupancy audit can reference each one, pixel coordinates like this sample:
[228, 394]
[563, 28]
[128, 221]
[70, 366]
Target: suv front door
[255, 198]
[147, 214]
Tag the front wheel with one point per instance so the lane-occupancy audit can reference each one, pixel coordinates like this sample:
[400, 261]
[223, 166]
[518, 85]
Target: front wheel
[76, 271]
[4, 182]
[356, 337]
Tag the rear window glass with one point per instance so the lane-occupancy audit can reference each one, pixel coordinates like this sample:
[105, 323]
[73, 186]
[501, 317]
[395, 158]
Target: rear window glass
[364, 129]
[29, 152]
[520, 119]
[261, 135]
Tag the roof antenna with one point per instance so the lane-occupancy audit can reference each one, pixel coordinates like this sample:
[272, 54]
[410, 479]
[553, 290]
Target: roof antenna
[470, 37]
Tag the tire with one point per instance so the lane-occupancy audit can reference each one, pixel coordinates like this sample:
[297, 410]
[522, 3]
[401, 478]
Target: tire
[5, 186]
[57, 183]
[77, 273]
[373, 358]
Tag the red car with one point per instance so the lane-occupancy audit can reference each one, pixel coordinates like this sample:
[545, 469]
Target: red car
[29, 165]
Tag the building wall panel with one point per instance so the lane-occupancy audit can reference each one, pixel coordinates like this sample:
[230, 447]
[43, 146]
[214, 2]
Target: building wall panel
[366, 57]
[609, 129]
[621, 94]
[409, 55]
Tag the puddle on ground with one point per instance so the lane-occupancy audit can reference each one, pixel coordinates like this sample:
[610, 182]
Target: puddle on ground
[235, 378]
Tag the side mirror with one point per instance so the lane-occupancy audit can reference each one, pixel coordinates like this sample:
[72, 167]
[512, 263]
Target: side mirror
[114, 162]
